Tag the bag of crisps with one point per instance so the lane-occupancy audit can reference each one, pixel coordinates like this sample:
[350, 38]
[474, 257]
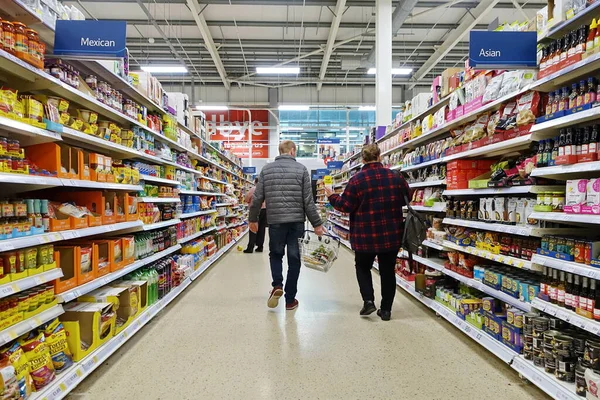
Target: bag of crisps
[16, 356]
[40, 362]
[56, 339]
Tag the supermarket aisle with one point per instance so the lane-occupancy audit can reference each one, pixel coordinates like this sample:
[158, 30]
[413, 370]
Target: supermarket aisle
[220, 341]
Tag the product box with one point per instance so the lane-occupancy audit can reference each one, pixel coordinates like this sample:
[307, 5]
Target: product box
[138, 292]
[78, 266]
[576, 195]
[88, 326]
[512, 337]
[123, 299]
[592, 202]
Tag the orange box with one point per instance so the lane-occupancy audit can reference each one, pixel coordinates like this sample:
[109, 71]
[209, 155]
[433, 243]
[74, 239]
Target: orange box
[79, 223]
[66, 258]
[94, 220]
[97, 171]
[95, 201]
[131, 209]
[54, 157]
[103, 257]
[60, 224]
[128, 247]
[110, 177]
[83, 159]
[117, 201]
[462, 165]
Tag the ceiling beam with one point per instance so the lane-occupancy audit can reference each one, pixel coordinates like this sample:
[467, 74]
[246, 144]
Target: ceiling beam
[469, 21]
[292, 24]
[533, 4]
[333, 30]
[208, 41]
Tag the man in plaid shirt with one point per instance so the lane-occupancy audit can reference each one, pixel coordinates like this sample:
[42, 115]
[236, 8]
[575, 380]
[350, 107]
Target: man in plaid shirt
[374, 198]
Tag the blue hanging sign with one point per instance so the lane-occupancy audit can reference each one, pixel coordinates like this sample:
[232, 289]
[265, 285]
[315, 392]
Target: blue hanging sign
[90, 38]
[335, 164]
[502, 50]
[249, 170]
[315, 177]
[328, 141]
[322, 172]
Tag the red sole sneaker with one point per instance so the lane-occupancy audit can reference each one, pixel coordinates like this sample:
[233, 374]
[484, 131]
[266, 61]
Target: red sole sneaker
[292, 306]
[276, 294]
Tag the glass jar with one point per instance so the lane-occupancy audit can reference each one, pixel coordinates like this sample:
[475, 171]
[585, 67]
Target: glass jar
[558, 201]
[92, 82]
[8, 37]
[34, 45]
[21, 41]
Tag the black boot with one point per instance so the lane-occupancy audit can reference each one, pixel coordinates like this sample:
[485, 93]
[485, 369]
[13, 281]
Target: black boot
[259, 249]
[384, 315]
[368, 308]
[249, 250]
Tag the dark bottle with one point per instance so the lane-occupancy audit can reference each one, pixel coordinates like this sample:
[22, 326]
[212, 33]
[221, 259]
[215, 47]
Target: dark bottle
[585, 141]
[560, 290]
[581, 94]
[583, 295]
[569, 143]
[573, 40]
[573, 96]
[591, 303]
[569, 292]
[553, 291]
[544, 281]
[582, 39]
[548, 152]
[540, 162]
[578, 140]
[554, 152]
[575, 294]
[566, 45]
[594, 137]
[590, 96]
[597, 306]
[563, 104]
[561, 143]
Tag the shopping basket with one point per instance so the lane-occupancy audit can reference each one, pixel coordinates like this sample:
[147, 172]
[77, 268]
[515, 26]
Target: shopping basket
[318, 252]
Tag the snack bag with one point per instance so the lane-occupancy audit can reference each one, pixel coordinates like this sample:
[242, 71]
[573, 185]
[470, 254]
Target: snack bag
[56, 338]
[9, 389]
[16, 356]
[40, 362]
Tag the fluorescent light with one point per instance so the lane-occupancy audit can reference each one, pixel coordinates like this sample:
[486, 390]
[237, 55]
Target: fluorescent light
[165, 69]
[293, 129]
[395, 71]
[366, 108]
[278, 70]
[293, 108]
[212, 108]
[289, 136]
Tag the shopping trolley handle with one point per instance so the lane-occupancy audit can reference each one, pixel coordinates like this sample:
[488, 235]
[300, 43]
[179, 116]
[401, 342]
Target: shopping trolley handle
[327, 239]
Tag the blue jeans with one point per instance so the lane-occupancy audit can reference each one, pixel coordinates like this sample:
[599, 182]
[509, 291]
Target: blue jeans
[280, 236]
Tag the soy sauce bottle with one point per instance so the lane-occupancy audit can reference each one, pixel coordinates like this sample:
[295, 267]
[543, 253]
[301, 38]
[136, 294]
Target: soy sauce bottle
[561, 143]
[585, 141]
[594, 137]
[569, 292]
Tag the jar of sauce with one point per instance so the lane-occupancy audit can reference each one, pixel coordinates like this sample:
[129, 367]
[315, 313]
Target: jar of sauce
[8, 37]
[34, 45]
[21, 40]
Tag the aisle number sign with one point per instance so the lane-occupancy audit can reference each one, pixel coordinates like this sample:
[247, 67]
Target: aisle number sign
[502, 50]
[99, 39]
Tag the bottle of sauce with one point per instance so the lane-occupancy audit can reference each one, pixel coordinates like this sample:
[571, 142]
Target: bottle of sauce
[594, 137]
[573, 97]
[556, 54]
[564, 50]
[549, 104]
[8, 37]
[585, 141]
[560, 293]
[564, 99]
[553, 291]
[581, 93]
[573, 37]
[597, 306]
[540, 155]
[582, 39]
[583, 295]
[37, 206]
[591, 303]
[544, 59]
[548, 152]
[576, 293]
[569, 292]
[569, 143]
[578, 139]
[45, 215]
[561, 143]
[543, 284]
[589, 43]
[556, 101]
[590, 95]
[21, 41]
[554, 152]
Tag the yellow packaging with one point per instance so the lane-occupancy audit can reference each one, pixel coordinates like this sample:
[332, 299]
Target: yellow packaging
[64, 118]
[16, 357]
[56, 338]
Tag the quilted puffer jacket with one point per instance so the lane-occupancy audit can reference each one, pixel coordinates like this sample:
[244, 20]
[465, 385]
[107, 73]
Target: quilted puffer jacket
[285, 186]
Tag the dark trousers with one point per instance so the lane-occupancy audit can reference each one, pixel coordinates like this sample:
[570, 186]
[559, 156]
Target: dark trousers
[387, 272]
[280, 237]
[258, 239]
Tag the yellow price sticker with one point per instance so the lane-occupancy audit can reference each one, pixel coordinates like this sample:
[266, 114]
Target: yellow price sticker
[328, 180]
[62, 387]
[78, 372]
[15, 287]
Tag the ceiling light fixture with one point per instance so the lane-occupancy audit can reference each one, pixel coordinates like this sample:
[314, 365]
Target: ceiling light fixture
[212, 108]
[395, 71]
[293, 108]
[367, 108]
[278, 70]
[165, 69]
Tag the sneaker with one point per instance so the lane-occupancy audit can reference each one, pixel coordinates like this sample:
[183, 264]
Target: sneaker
[274, 297]
[292, 306]
[259, 249]
[248, 251]
[384, 315]
[368, 308]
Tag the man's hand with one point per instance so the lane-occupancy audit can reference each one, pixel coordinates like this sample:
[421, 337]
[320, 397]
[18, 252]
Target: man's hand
[319, 230]
[329, 191]
[253, 227]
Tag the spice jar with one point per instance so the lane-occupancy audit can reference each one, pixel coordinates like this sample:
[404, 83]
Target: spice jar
[21, 41]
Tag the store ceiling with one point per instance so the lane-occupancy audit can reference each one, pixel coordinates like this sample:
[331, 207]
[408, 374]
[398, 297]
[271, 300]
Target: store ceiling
[251, 33]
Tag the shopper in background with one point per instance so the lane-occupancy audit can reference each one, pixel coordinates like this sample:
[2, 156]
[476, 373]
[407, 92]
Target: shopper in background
[257, 239]
[286, 188]
[374, 198]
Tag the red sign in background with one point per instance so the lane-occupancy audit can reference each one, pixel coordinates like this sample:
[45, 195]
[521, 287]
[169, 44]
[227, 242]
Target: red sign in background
[232, 127]
[240, 149]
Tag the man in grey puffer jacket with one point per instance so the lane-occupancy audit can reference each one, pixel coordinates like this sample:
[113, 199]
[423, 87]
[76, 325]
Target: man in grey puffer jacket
[285, 186]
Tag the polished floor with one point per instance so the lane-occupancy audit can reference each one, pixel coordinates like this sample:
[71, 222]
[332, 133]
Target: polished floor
[218, 340]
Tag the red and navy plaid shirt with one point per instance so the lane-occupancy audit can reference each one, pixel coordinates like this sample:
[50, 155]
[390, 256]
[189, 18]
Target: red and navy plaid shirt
[374, 199]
